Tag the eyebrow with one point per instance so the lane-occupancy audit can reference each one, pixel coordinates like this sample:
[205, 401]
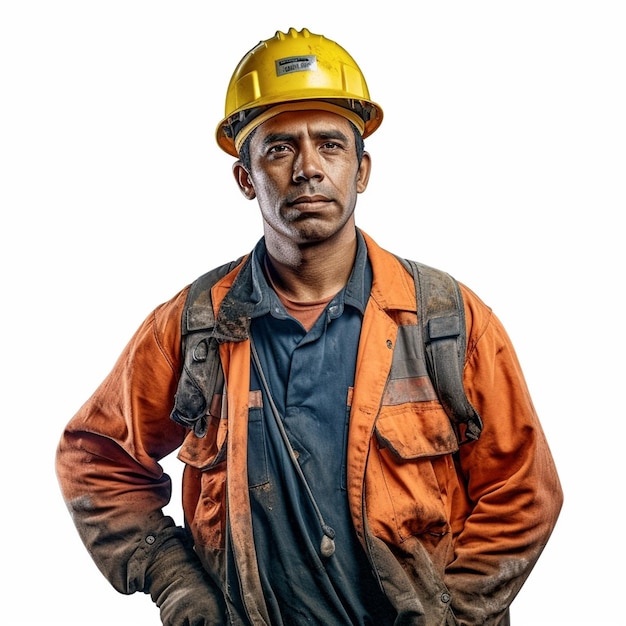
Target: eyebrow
[322, 134]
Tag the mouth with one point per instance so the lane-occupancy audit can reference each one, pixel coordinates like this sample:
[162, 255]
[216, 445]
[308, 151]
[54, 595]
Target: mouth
[309, 201]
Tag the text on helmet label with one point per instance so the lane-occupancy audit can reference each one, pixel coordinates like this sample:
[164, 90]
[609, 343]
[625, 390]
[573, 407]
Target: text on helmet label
[296, 64]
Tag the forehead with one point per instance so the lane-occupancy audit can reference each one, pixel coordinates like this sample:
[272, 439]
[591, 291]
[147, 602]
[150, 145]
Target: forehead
[303, 123]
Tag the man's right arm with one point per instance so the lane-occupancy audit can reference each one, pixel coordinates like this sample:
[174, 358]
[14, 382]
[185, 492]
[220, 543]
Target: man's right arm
[115, 489]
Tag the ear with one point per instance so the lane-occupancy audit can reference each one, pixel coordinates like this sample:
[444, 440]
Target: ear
[244, 182]
[363, 175]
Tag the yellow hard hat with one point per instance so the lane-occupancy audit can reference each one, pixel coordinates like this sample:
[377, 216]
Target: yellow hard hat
[293, 71]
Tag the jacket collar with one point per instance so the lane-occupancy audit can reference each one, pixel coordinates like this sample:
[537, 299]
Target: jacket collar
[248, 296]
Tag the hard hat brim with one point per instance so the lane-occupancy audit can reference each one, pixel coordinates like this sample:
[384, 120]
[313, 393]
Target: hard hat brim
[229, 131]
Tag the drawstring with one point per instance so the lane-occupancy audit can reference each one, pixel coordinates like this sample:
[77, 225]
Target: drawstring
[327, 545]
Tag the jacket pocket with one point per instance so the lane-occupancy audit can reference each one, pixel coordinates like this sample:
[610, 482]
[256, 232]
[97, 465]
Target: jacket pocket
[415, 431]
[410, 472]
[204, 483]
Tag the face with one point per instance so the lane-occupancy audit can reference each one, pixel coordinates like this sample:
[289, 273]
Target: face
[305, 176]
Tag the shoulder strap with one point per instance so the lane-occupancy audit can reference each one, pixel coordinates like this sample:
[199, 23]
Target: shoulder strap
[201, 376]
[442, 319]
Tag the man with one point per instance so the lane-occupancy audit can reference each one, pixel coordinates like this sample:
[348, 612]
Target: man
[324, 482]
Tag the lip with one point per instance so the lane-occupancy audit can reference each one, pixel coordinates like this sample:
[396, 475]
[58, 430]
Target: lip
[315, 199]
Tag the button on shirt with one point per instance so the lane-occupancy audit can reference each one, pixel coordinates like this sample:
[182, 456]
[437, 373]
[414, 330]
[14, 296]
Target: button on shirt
[310, 375]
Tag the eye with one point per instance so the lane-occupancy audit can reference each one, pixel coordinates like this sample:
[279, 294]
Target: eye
[278, 149]
[331, 146]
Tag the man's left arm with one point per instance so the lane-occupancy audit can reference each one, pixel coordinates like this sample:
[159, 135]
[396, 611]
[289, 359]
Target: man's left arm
[510, 476]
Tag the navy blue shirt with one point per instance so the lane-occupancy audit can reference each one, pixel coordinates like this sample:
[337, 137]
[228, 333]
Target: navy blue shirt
[310, 375]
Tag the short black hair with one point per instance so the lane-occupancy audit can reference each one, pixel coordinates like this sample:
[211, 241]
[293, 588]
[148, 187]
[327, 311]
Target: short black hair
[244, 151]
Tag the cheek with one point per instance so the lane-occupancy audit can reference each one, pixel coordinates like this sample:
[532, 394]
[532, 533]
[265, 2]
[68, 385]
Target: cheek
[265, 185]
[350, 191]
[266, 193]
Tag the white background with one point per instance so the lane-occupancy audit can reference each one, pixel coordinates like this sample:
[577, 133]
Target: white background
[504, 142]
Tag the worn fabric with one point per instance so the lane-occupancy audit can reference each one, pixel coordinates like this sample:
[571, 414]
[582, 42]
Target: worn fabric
[451, 534]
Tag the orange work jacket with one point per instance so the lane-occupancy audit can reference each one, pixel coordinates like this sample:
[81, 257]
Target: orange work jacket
[451, 533]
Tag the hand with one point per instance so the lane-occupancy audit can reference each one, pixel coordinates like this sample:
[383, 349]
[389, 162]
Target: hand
[181, 589]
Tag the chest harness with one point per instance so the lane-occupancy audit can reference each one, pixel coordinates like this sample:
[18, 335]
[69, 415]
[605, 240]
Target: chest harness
[441, 326]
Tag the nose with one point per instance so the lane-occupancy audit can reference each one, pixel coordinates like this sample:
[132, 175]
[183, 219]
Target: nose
[307, 164]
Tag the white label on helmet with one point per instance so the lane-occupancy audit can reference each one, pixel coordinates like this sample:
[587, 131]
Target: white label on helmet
[296, 64]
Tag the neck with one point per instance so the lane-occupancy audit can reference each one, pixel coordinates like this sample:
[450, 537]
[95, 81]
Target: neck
[312, 272]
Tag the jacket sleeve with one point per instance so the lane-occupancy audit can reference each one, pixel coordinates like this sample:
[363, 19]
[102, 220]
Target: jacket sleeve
[108, 457]
[513, 494]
